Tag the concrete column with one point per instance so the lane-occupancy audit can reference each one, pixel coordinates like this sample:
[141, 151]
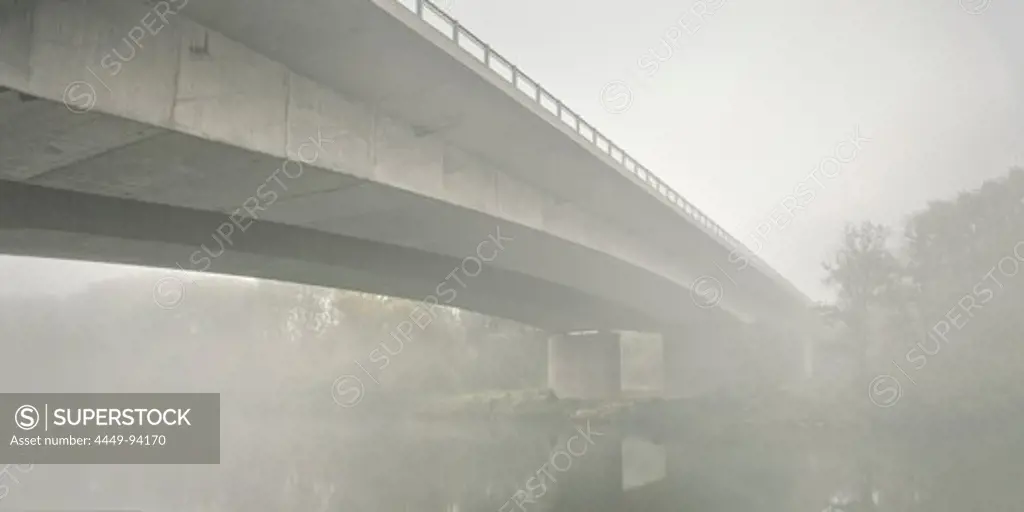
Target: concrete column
[585, 365]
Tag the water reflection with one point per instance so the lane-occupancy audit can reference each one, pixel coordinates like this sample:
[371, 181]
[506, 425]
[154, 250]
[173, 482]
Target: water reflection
[324, 465]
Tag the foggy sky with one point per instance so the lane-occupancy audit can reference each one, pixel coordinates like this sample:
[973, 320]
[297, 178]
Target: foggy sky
[749, 104]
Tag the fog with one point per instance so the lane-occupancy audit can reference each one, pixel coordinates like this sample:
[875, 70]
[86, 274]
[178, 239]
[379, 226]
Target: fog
[740, 112]
[745, 107]
[898, 389]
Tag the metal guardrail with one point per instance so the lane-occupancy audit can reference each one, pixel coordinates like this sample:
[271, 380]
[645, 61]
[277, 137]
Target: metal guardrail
[529, 87]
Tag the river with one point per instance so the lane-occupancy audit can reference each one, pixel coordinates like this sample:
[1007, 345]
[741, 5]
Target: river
[344, 464]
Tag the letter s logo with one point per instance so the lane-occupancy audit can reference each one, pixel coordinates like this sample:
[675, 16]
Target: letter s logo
[26, 417]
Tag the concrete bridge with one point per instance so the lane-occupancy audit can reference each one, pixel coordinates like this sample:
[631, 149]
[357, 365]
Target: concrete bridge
[372, 145]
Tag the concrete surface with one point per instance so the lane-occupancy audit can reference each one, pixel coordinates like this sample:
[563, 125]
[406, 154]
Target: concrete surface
[407, 146]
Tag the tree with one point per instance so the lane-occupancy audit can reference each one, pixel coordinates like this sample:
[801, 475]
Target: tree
[964, 255]
[867, 278]
[954, 283]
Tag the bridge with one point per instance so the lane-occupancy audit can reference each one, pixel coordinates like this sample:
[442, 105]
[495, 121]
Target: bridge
[373, 145]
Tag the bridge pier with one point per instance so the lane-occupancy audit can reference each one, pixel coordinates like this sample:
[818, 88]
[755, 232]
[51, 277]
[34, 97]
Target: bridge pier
[585, 365]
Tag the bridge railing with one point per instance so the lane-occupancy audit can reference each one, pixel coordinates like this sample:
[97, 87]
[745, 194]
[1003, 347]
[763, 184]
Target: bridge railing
[434, 16]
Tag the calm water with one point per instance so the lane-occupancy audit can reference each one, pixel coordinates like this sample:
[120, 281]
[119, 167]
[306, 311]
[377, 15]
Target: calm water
[402, 465]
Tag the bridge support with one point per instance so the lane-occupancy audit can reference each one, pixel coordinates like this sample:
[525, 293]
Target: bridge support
[585, 365]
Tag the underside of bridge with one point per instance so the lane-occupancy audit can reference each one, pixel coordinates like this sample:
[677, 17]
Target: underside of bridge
[226, 145]
[98, 188]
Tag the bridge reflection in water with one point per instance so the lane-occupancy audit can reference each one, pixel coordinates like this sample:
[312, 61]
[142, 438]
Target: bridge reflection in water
[299, 465]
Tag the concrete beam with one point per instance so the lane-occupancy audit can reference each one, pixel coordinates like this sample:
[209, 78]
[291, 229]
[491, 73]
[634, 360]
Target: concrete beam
[41, 221]
[172, 73]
